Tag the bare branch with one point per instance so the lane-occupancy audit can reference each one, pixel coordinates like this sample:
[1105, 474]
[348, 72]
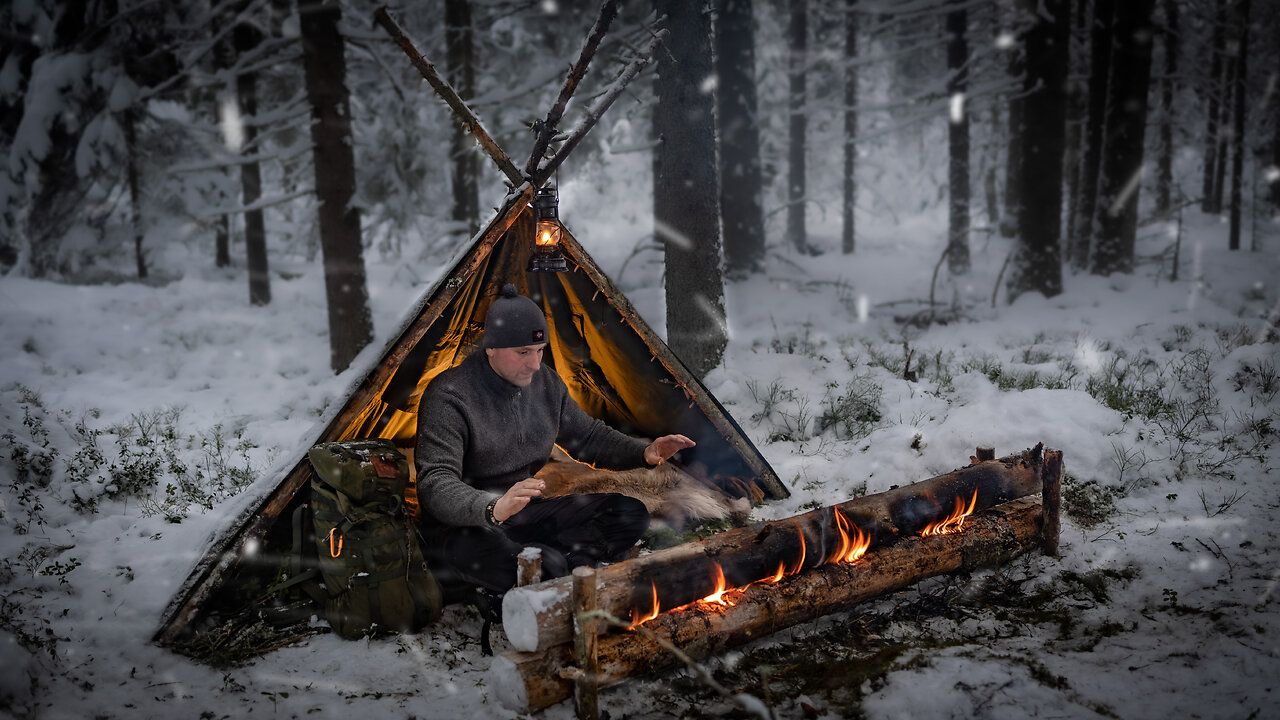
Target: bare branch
[461, 113]
[608, 11]
[595, 111]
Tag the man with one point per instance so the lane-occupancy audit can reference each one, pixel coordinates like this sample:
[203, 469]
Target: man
[485, 428]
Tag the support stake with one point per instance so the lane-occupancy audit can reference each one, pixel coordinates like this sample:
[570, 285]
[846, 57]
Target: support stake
[1051, 497]
[585, 632]
[529, 566]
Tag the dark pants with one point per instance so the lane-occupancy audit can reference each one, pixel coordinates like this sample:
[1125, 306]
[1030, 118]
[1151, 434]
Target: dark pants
[571, 531]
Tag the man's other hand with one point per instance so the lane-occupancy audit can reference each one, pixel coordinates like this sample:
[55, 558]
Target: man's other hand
[516, 497]
[664, 447]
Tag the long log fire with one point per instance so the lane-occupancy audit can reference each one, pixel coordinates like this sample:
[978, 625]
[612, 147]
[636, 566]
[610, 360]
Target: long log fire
[744, 584]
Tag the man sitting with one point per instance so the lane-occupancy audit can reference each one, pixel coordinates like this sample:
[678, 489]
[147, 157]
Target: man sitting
[485, 428]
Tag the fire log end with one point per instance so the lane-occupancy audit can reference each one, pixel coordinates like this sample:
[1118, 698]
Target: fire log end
[523, 613]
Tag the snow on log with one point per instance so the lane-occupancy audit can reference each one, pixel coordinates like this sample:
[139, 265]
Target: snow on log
[540, 616]
[530, 681]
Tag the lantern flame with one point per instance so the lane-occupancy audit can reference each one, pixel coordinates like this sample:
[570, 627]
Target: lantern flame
[955, 521]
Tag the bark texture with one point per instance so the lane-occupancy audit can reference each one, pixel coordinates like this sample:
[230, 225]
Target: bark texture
[685, 188]
[346, 292]
[737, 111]
[530, 681]
[540, 616]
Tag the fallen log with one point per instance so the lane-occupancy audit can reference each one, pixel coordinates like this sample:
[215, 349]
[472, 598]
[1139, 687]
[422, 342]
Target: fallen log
[530, 681]
[540, 616]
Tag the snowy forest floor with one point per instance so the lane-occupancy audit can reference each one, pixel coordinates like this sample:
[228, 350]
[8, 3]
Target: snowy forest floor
[136, 420]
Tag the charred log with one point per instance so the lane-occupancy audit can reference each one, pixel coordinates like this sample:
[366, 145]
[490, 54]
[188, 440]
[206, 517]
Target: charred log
[540, 616]
[529, 681]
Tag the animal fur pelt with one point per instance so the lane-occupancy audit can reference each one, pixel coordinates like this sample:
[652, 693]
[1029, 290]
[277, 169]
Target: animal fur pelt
[671, 495]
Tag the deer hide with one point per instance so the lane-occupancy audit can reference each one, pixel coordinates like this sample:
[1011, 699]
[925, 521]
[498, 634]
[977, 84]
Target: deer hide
[670, 494]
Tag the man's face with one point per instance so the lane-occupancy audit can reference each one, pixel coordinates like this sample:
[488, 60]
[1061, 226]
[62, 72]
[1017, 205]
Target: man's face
[518, 364]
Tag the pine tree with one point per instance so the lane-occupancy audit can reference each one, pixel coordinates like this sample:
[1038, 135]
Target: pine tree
[685, 195]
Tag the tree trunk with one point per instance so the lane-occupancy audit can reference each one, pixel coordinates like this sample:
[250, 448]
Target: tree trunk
[685, 189]
[1121, 174]
[246, 37]
[529, 681]
[1274, 174]
[1100, 52]
[1240, 84]
[1164, 175]
[1038, 264]
[1214, 93]
[1077, 93]
[323, 56]
[135, 189]
[1013, 156]
[737, 110]
[460, 65]
[958, 139]
[539, 617]
[849, 197]
[797, 113]
[1220, 158]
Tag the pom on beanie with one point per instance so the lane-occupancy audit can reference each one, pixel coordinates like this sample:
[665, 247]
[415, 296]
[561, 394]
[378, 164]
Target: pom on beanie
[514, 320]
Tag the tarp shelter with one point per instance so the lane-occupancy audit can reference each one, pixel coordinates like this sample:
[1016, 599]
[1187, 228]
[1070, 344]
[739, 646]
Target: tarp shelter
[614, 365]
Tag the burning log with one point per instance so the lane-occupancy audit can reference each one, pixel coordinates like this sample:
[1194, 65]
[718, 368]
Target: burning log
[530, 681]
[540, 616]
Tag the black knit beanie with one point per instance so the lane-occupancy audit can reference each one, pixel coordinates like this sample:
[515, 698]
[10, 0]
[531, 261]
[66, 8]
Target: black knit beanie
[514, 320]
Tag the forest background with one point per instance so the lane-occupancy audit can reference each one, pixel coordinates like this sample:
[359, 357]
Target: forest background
[148, 142]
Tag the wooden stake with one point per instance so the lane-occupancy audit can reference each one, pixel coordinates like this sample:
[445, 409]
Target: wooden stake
[529, 566]
[1051, 493]
[585, 630]
[530, 681]
[461, 113]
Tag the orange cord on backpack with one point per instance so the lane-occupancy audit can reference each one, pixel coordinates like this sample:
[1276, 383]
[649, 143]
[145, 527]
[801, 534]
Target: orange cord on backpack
[334, 552]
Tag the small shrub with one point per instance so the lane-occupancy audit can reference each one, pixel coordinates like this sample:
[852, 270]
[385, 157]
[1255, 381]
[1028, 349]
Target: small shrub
[1088, 503]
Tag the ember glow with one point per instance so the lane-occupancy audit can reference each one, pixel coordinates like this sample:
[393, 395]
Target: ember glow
[954, 521]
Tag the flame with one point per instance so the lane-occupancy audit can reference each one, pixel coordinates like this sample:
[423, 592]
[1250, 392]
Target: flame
[545, 237]
[853, 545]
[635, 620]
[717, 596]
[954, 521]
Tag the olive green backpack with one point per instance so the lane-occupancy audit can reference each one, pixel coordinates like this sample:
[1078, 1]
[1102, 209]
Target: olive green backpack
[374, 574]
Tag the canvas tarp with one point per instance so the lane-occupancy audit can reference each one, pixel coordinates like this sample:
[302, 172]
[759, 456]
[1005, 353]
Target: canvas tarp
[615, 367]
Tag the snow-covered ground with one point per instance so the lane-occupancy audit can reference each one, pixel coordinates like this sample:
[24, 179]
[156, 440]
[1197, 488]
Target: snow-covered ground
[1163, 395]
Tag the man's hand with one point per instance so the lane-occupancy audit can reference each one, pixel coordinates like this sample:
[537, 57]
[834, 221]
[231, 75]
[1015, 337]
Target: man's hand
[664, 447]
[516, 497]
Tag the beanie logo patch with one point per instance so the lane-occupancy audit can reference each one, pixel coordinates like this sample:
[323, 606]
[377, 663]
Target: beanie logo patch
[539, 336]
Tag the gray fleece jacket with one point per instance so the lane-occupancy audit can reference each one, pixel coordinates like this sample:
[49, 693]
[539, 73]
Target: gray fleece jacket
[478, 435]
